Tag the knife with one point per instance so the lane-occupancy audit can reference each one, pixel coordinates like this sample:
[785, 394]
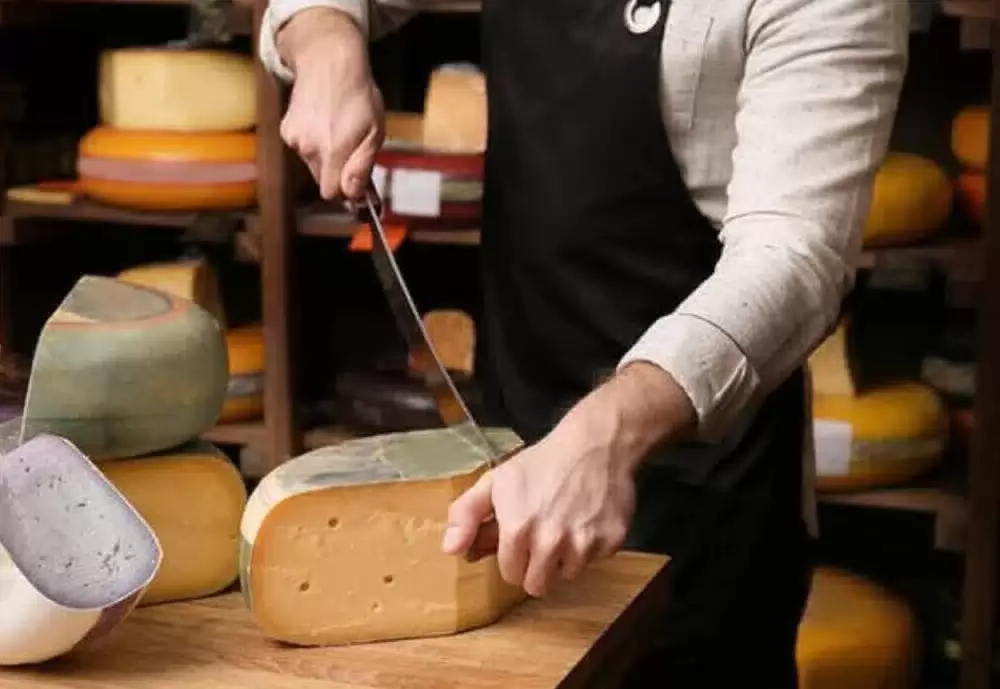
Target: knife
[451, 407]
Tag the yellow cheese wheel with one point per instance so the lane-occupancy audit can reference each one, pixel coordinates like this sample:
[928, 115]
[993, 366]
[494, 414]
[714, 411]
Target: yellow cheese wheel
[911, 199]
[191, 279]
[122, 370]
[193, 498]
[455, 115]
[970, 137]
[75, 556]
[245, 394]
[880, 438]
[343, 544]
[856, 634]
[829, 365]
[168, 171]
[177, 90]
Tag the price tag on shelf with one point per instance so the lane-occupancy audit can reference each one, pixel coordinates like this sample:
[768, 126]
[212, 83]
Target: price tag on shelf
[416, 193]
[833, 447]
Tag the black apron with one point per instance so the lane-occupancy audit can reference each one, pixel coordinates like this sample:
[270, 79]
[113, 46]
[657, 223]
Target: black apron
[589, 236]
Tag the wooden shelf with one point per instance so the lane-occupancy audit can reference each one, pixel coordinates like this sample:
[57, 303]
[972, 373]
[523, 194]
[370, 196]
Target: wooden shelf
[959, 253]
[88, 211]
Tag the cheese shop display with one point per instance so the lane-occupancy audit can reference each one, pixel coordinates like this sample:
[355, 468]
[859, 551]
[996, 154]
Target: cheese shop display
[856, 634]
[168, 89]
[122, 370]
[75, 557]
[343, 544]
[881, 437]
[455, 117]
[970, 137]
[911, 200]
[192, 279]
[168, 171]
[193, 498]
[245, 392]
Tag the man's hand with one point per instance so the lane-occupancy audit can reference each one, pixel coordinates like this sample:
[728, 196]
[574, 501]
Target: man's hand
[335, 119]
[559, 504]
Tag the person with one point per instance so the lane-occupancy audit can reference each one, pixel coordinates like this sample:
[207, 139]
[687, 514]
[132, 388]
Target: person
[674, 196]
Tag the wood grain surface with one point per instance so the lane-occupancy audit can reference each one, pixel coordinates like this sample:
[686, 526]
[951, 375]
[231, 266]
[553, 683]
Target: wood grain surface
[574, 635]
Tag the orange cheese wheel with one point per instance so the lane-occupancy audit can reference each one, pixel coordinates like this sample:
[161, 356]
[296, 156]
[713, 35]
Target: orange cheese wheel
[970, 137]
[168, 171]
[245, 394]
[911, 199]
[970, 188]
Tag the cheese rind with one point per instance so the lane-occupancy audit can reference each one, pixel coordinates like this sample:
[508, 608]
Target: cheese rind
[245, 392]
[193, 499]
[74, 555]
[379, 504]
[177, 90]
[911, 199]
[122, 371]
[191, 279]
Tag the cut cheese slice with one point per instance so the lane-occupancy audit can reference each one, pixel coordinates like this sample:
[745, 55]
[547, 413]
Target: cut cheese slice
[343, 544]
[830, 367]
[177, 90]
[970, 137]
[75, 557]
[911, 199]
[455, 117]
[168, 171]
[245, 392]
[191, 279]
[122, 370]
[856, 634]
[193, 498]
[891, 435]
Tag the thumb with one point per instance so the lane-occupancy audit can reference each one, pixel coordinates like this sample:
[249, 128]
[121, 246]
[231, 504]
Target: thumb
[467, 513]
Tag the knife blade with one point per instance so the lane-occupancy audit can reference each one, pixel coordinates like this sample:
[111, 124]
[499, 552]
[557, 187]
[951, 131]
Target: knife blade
[451, 407]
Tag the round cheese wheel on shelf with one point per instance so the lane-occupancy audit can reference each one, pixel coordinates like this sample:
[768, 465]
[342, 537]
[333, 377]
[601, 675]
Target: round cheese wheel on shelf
[437, 190]
[856, 634]
[122, 370]
[911, 199]
[379, 504]
[75, 556]
[245, 393]
[971, 190]
[193, 499]
[177, 90]
[455, 114]
[970, 137]
[879, 438]
[192, 279]
[168, 171]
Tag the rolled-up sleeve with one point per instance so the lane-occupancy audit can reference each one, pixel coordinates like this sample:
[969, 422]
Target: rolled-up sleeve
[815, 112]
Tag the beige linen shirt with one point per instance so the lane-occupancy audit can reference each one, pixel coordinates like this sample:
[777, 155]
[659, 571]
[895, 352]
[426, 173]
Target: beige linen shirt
[779, 113]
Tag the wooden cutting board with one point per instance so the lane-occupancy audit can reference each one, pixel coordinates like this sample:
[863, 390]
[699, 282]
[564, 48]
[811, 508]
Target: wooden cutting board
[577, 636]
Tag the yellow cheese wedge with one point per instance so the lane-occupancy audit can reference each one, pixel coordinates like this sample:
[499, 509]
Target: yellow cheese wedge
[177, 90]
[453, 334]
[880, 438]
[455, 115]
[191, 279]
[856, 634]
[829, 365]
[122, 370]
[911, 200]
[193, 498]
[245, 393]
[970, 137]
[343, 544]
[75, 557]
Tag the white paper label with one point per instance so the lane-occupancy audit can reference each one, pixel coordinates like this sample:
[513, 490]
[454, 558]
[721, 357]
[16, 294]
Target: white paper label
[833, 447]
[380, 178]
[416, 192]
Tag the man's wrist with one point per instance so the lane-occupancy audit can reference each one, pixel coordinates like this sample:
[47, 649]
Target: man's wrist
[333, 32]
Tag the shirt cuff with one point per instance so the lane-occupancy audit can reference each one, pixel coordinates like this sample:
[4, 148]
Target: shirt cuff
[280, 11]
[711, 369]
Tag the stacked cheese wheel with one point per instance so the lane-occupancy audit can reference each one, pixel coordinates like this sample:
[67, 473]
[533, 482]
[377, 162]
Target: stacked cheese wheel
[871, 438]
[970, 143]
[911, 200]
[176, 131]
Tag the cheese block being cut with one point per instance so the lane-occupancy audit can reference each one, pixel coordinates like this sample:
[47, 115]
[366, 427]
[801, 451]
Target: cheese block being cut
[343, 544]
[455, 115]
[829, 365]
[970, 137]
[191, 279]
[168, 171]
[856, 634]
[911, 199]
[177, 90]
[880, 438]
[193, 498]
[245, 392]
[75, 557]
[122, 370]
[453, 334]
[971, 190]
